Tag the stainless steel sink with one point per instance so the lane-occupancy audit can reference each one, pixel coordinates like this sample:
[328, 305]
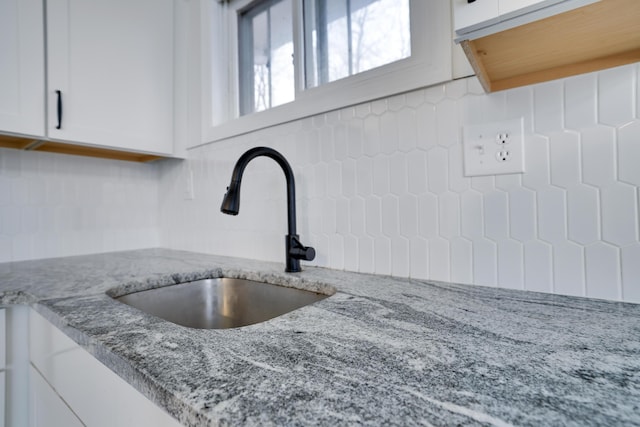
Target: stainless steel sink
[220, 303]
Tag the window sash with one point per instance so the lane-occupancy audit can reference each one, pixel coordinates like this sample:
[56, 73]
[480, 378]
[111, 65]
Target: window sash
[354, 19]
[255, 96]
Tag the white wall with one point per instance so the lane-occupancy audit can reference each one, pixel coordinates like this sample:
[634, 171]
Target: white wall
[381, 190]
[57, 205]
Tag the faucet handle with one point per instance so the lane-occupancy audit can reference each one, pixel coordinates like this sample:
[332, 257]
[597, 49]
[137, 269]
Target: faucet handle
[298, 251]
[306, 253]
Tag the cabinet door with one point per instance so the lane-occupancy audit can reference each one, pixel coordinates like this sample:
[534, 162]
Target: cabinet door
[16, 388]
[3, 364]
[466, 14]
[47, 409]
[111, 63]
[22, 67]
[97, 396]
[508, 6]
[3, 339]
[2, 399]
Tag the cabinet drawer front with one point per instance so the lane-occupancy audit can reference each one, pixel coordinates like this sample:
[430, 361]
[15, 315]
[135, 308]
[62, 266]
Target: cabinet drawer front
[2, 399]
[96, 395]
[46, 407]
[3, 339]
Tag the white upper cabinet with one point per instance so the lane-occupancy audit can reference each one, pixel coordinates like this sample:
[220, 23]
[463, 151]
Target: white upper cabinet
[524, 42]
[507, 6]
[110, 73]
[479, 14]
[466, 14]
[22, 67]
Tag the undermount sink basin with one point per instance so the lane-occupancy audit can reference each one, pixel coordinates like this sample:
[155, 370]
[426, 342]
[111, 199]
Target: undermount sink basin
[220, 303]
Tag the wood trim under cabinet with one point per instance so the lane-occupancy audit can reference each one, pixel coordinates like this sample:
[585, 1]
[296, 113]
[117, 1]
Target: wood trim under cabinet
[598, 36]
[17, 142]
[81, 150]
[30, 144]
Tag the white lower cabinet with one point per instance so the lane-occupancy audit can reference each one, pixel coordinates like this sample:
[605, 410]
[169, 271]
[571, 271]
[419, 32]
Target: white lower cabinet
[47, 409]
[2, 399]
[3, 339]
[3, 356]
[89, 390]
[15, 357]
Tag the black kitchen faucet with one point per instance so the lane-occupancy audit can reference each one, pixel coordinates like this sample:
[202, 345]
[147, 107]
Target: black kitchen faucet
[295, 251]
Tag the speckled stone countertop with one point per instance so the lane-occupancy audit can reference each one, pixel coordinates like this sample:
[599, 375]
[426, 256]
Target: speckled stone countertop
[381, 351]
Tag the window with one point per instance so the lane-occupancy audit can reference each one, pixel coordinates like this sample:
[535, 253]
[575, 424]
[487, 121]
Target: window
[265, 34]
[343, 38]
[274, 61]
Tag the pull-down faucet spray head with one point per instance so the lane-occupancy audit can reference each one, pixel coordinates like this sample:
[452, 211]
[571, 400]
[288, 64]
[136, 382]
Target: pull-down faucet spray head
[295, 251]
[231, 201]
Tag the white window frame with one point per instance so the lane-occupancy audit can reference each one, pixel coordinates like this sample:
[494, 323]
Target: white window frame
[430, 63]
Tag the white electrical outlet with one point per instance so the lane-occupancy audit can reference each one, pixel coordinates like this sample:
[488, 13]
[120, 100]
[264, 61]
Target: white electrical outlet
[494, 148]
[503, 156]
[503, 138]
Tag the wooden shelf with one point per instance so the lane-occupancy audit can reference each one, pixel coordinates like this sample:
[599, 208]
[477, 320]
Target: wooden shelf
[601, 35]
[31, 144]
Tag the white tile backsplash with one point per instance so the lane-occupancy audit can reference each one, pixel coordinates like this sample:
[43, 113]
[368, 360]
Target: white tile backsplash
[581, 101]
[461, 268]
[510, 264]
[583, 214]
[564, 159]
[602, 262]
[56, 205]
[381, 189]
[568, 268]
[616, 88]
[619, 214]
[599, 156]
[493, 219]
[548, 111]
[628, 151]
[630, 272]
[538, 267]
[552, 215]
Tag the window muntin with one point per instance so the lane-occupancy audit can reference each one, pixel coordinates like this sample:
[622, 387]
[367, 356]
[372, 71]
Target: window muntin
[266, 69]
[347, 37]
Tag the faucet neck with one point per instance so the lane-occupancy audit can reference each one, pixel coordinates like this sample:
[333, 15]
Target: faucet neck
[243, 161]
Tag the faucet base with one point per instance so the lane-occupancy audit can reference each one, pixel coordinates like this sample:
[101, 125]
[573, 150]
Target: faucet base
[295, 251]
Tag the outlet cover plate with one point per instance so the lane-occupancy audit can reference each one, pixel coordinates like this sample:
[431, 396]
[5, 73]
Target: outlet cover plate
[494, 148]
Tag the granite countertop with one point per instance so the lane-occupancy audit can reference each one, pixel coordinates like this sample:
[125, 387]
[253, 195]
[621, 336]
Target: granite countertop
[380, 351]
